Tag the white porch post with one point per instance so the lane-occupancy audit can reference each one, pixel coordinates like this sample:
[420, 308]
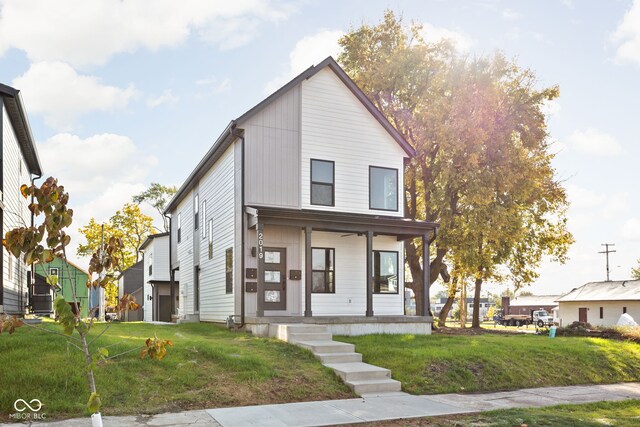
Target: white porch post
[369, 266]
[260, 270]
[308, 271]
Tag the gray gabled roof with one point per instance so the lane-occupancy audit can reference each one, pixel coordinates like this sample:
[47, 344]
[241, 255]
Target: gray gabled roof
[227, 136]
[18, 116]
[626, 290]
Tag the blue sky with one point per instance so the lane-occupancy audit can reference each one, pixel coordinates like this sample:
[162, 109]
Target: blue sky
[121, 94]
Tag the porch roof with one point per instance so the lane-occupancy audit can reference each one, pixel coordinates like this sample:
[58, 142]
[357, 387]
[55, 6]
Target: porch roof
[402, 228]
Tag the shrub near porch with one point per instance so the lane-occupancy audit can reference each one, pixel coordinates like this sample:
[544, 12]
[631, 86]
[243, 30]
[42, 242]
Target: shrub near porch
[452, 364]
[207, 367]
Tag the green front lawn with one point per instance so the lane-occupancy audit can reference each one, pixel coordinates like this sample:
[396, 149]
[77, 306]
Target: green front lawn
[207, 367]
[453, 364]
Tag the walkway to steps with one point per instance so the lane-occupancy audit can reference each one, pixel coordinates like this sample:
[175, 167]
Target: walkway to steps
[364, 379]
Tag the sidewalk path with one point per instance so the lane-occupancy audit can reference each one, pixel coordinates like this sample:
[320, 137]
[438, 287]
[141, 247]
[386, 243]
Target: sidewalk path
[369, 408]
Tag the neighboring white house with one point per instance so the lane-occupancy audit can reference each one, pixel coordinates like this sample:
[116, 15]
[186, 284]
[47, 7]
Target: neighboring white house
[157, 295]
[600, 303]
[294, 203]
[18, 165]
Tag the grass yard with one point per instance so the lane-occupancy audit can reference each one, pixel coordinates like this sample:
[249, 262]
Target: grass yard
[430, 364]
[207, 367]
[620, 414]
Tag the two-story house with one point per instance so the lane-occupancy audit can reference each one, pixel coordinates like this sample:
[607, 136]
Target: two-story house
[157, 298]
[296, 214]
[18, 165]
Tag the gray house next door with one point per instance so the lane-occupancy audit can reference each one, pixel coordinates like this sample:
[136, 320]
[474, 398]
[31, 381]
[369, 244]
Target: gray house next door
[275, 279]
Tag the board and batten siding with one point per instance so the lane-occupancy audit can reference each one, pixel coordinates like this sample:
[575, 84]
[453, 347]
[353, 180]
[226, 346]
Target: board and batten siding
[217, 187]
[612, 310]
[272, 153]
[350, 297]
[184, 252]
[337, 127]
[16, 214]
[156, 254]
[147, 304]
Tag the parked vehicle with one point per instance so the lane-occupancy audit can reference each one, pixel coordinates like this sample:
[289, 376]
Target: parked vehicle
[539, 318]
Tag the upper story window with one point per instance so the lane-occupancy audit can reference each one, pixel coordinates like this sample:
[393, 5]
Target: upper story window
[383, 188]
[204, 218]
[322, 182]
[210, 247]
[179, 228]
[196, 212]
[385, 272]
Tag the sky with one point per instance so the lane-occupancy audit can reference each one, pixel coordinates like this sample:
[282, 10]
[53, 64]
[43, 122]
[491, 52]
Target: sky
[124, 93]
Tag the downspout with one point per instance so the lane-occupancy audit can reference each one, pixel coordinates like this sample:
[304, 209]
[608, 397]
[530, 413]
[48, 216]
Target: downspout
[172, 292]
[33, 268]
[242, 229]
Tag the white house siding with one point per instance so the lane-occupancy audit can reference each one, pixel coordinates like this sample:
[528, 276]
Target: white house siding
[156, 254]
[184, 252]
[291, 239]
[337, 127]
[350, 297]
[16, 214]
[612, 310]
[217, 187]
[147, 304]
[272, 153]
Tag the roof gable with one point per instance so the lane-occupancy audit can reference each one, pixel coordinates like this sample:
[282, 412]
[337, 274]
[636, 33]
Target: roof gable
[227, 136]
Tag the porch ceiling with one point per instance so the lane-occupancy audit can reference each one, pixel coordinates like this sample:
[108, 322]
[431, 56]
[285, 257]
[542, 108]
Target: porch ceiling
[402, 228]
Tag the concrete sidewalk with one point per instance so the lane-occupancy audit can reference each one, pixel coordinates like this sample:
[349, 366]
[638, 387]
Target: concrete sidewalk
[370, 408]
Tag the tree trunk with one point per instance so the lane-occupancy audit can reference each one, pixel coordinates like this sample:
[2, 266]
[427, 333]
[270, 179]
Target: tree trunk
[476, 304]
[463, 305]
[442, 319]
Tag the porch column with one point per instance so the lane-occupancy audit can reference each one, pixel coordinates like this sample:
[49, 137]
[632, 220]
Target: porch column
[369, 267]
[308, 271]
[260, 269]
[426, 270]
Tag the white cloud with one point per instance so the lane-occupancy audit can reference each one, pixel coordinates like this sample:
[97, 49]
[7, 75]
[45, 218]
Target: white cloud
[56, 91]
[627, 35]
[167, 97]
[213, 85]
[95, 30]
[101, 173]
[433, 34]
[93, 164]
[631, 229]
[592, 141]
[510, 15]
[307, 52]
[583, 198]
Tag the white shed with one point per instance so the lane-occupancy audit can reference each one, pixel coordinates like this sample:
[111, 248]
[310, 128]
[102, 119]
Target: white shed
[600, 303]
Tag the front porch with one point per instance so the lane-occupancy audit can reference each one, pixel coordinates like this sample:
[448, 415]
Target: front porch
[355, 286]
[270, 326]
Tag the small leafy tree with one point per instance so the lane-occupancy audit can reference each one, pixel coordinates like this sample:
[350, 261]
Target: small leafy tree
[157, 195]
[48, 240]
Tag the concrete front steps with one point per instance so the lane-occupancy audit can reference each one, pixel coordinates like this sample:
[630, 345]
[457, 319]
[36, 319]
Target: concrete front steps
[362, 378]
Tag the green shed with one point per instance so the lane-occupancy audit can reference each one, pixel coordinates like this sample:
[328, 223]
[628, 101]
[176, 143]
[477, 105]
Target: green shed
[69, 275]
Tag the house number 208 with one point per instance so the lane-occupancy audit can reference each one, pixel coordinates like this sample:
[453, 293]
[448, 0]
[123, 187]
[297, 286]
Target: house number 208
[260, 245]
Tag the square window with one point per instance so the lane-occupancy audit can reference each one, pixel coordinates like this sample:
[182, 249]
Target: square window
[383, 188]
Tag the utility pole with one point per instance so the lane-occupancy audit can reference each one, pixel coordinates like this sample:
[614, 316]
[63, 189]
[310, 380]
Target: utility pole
[607, 251]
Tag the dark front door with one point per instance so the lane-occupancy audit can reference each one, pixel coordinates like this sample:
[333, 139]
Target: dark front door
[582, 314]
[164, 308]
[275, 284]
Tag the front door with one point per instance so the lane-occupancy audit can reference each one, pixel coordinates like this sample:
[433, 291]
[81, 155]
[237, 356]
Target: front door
[582, 314]
[275, 284]
[164, 309]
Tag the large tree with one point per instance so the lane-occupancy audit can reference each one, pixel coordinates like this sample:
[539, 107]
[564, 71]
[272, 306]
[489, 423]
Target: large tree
[157, 195]
[128, 224]
[483, 164]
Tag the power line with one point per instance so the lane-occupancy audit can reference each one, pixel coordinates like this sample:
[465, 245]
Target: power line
[607, 251]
